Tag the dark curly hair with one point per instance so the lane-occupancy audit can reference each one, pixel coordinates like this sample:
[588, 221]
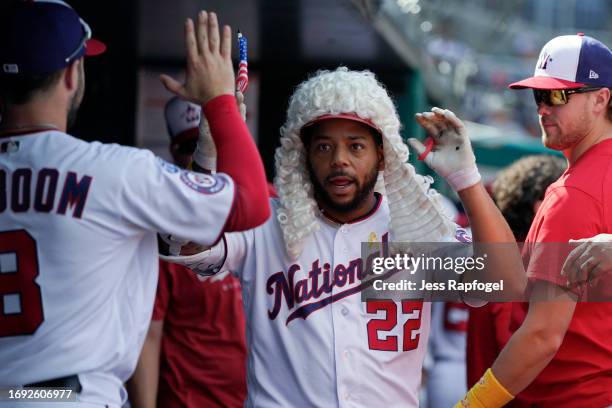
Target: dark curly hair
[518, 187]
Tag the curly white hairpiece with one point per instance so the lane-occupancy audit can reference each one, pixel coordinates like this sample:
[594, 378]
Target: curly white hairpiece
[416, 211]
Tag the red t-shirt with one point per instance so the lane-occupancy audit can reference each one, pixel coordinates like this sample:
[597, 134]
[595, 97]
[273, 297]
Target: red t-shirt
[488, 331]
[203, 356]
[578, 205]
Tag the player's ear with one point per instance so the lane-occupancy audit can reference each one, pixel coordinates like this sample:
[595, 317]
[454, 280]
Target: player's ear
[381, 157]
[71, 75]
[601, 99]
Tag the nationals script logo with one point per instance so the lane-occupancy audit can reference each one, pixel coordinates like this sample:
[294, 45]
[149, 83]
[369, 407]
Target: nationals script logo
[320, 281]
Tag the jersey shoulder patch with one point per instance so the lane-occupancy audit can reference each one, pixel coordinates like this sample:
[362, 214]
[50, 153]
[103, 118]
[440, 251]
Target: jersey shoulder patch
[462, 235]
[204, 183]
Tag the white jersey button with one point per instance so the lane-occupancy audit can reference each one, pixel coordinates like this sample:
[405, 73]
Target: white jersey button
[344, 311]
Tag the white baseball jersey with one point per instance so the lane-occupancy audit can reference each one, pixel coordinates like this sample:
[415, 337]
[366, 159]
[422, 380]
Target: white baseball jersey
[312, 341]
[78, 254]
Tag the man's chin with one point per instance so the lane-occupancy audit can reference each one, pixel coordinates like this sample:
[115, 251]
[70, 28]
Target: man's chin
[551, 143]
[342, 205]
[342, 199]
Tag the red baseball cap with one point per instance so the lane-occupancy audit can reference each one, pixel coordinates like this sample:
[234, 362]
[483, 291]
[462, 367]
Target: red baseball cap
[350, 116]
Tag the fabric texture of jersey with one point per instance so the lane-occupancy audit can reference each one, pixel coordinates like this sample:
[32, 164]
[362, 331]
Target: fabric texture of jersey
[77, 232]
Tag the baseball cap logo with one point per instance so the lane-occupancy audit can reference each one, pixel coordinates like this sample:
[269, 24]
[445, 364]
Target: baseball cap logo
[191, 114]
[10, 68]
[545, 58]
[593, 74]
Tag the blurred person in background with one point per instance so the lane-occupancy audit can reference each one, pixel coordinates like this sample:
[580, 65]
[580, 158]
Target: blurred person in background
[444, 365]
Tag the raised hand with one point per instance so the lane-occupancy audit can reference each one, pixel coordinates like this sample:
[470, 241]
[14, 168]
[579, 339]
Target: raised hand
[449, 151]
[209, 64]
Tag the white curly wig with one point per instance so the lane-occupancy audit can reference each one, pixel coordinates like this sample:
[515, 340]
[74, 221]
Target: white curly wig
[415, 209]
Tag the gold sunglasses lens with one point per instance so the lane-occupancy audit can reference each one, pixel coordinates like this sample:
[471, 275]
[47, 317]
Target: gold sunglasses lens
[558, 97]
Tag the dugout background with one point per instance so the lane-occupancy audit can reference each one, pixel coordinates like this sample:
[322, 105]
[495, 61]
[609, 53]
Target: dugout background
[287, 40]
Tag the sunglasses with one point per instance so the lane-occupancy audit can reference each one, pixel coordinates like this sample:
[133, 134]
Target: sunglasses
[86, 38]
[557, 97]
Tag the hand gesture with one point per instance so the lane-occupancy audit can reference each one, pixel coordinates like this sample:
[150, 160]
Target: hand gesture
[209, 64]
[589, 260]
[449, 151]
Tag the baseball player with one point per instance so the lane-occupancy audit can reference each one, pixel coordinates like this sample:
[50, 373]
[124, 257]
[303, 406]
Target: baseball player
[311, 340]
[563, 345]
[78, 221]
[195, 349]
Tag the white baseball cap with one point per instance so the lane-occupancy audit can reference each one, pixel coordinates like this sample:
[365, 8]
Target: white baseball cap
[182, 120]
[571, 61]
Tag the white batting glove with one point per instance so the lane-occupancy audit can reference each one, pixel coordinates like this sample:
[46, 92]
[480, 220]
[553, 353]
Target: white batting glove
[205, 154]
[449, 151]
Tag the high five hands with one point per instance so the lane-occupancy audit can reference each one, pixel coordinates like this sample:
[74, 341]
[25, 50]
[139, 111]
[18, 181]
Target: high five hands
[209, 71]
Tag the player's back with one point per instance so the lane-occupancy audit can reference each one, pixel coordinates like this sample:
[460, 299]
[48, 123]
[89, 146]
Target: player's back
[67, 305]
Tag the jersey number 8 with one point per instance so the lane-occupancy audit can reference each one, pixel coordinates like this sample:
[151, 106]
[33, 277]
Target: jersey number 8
[21, 311]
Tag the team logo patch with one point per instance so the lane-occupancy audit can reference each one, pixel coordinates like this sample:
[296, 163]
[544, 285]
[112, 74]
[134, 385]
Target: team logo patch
[462, 235]
[203, 183]
[169, 167]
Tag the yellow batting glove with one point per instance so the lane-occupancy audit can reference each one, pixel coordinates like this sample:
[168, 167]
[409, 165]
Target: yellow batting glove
[486, 393]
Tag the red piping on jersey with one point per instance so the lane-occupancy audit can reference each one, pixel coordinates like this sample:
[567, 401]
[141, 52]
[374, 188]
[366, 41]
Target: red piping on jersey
[361, 217]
